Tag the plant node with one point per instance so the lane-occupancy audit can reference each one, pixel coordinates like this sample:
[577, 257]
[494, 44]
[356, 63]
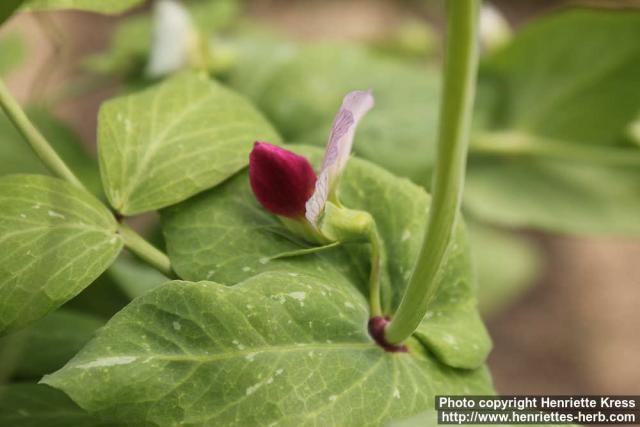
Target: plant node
[376, 330]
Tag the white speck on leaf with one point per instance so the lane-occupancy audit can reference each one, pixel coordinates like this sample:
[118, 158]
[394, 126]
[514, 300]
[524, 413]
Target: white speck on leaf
[245, 269]
[279, 371]
[293, 274]
[406, 235]
[264, 260]
[449, 339]
[253, 388]
[396, 393]
[177, 326]
[349, 305]
[108, 361]
[250, 357]
[54, 214]
[300, 296]
[333, 398]
[22, 215]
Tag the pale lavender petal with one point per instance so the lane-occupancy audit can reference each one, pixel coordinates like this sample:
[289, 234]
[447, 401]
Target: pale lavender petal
[315, 204]
[354, 106]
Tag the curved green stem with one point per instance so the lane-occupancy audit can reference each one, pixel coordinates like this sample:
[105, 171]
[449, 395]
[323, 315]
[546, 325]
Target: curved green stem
[35, 139]
[514, 143]
[145, 250]
[461, 58]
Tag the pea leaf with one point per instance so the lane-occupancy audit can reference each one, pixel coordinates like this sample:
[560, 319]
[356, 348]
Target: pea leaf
[167, 143]
[568, 105]
[17, 157]
[507, 264]
[100, 6]
[7, 9]
[274, 349]
[12, 48]
[51, 342]
[31, 405]
[134, 277]
[54, 241]
[225, 235]
[301, 92]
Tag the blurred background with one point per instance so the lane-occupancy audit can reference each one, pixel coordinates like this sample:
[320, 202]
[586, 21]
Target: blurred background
[566, 322]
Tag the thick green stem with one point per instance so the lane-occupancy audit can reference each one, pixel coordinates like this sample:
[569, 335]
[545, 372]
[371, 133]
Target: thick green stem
[35, 139]
[520, 144]
[461, 58]
[146, 251]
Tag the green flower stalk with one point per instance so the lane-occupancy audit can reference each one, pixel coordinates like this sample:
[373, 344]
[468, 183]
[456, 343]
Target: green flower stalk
[461, 58]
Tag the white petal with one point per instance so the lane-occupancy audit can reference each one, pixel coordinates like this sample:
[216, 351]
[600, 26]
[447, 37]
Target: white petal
[172, 32]
[315, 204]
[354, 106]
[495, 30]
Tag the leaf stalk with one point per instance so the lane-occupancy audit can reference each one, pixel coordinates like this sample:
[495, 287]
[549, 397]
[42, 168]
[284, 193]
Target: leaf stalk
[36, 141]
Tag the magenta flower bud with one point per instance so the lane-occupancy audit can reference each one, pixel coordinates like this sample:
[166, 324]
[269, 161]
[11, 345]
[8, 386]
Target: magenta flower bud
[282, 181]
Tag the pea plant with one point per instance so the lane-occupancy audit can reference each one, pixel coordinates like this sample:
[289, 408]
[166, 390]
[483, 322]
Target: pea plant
[290, 282]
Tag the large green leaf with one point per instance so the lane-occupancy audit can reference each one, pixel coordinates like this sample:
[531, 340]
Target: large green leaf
[54, 241]
[275, 349]
[17, 157]
[12, 48]
[225, 235]
[167, 143]
[31, 405]
[51, 342]
[100, 6]
[300, 91]
[564, 164]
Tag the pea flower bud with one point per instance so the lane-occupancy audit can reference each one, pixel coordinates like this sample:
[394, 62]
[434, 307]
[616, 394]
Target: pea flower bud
[282, 181]
[286, 185]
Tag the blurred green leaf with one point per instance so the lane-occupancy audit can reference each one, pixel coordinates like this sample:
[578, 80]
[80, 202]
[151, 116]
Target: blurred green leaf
[130, 45]
[17, 157]
[506, 264]
[32, 405]
[556, 156]
[303, 89]
[134, 277]
[7, 9]
[100, 6]
[49, 343]
[13, 52]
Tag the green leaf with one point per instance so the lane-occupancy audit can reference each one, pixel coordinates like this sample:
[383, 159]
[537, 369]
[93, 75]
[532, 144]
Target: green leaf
[275, 349]
[7, 9]
[564, 164]
[100, 6]
[31, 405]
[226, 236]
[134, 277]
[17, 157]
[300, 91]
[12, 48]
[51, 342]
[54, 241]
[167, 143]
[506, 264]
